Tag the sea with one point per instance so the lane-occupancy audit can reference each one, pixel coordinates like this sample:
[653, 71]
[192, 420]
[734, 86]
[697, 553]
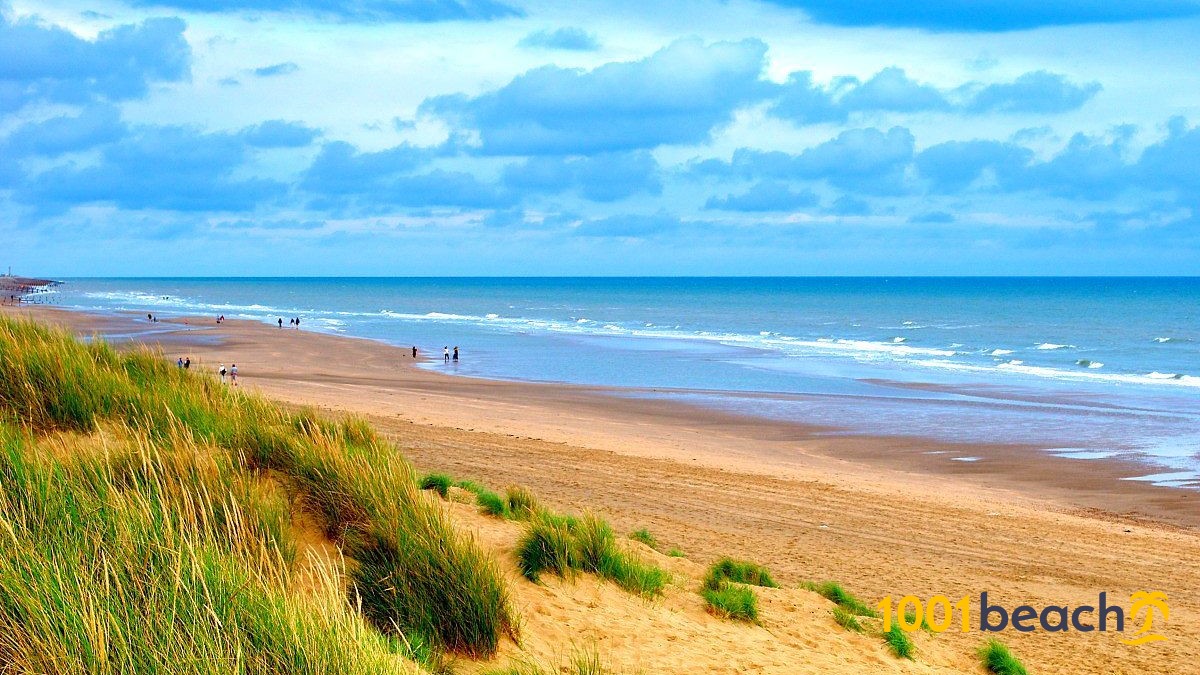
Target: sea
[1084, 368]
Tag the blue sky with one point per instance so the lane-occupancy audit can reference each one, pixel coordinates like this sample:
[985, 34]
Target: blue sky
[490, 137]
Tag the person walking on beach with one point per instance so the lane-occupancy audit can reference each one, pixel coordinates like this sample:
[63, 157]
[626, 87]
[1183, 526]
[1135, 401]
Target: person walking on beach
[233, 374]
[281, 322]
[455, 353]
[297, 323]
[446, 354]
[414, 351]
[222, 371]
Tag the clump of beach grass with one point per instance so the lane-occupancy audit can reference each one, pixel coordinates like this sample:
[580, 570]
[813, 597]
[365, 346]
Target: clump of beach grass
[644, 536]
[413, 575]
[998, 659]
[676, 553]
[562, 545]
[834, 592]
[521, 502]
[742, 572]
[899, 642]
[438, 482]
[847, 620]
[731, 601]
[727, 588]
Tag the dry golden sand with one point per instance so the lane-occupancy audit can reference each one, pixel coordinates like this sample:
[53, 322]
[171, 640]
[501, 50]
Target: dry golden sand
[877, 514]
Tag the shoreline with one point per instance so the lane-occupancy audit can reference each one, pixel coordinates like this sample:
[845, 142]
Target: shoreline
[612, 418]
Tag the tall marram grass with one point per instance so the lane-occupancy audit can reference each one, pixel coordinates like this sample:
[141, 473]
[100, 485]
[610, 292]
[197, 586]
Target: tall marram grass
[411, 574]
[562, 545]
[128, 558]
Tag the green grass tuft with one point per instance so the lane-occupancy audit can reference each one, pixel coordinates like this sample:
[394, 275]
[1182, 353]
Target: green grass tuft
[676, 553]
[741, 572]
[833, 591]
[731, 601]
[546, 546]
[438, 482]
[522, 505]
[726, 588]
[563, 544]
[998, 659]
[491, 503]
[847, 620]
[643, 535]
[898, 641]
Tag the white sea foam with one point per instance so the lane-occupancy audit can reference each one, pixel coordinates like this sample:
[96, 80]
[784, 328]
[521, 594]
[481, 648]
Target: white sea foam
[896, 350]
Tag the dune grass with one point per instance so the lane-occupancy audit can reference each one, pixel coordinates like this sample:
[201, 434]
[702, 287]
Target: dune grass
[224, 553]
[833, 591]
[848, 620]
[676, 553]
[644, 536]
[562, 545]
[727, 591]
[521, 502]
[899, 642]
[438, 482]
[741, 572]
[731, 601]
[998, 659]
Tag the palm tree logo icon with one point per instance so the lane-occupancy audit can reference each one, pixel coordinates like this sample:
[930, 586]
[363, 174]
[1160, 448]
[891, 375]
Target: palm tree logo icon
[1147, 605]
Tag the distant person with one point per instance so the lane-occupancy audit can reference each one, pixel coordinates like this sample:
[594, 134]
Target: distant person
[414, 351]
[149, 317]
[297, 323]
[281, 322]
[187, 363]
[446, 354]
[291, 322]
[233, 373]
[222, 372]
[456, 352]
[179, 362]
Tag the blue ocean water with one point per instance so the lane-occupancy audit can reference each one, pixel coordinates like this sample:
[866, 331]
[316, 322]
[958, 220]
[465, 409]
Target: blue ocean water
[1084, 367]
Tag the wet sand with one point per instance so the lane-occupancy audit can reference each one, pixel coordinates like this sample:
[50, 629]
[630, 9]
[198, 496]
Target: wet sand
[878, 513]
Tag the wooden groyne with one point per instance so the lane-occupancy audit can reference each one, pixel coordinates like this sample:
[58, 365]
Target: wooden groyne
[15, 290]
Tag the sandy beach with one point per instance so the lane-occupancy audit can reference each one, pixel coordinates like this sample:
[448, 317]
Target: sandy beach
[883, 515]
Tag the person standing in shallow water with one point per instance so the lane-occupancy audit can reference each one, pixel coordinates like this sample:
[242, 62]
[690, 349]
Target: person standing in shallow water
[281, 322]
[446, 354]
[456, 352]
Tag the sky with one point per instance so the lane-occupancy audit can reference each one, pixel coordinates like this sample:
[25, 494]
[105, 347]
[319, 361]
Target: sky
[524, 137]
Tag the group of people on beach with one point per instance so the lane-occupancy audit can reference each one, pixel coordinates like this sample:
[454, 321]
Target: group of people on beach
[293, 322]
[185, 363]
